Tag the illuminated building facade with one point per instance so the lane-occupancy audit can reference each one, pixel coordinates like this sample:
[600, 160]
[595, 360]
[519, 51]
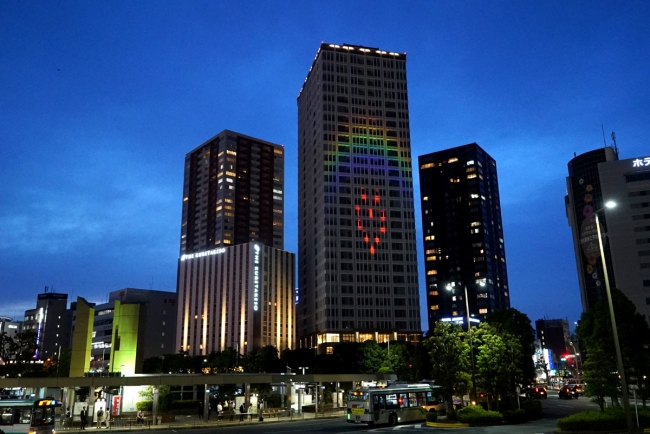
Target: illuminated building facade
[233, 193]
[463, 234]
[554, 335]
[357, 254]
[240, 297]
[155, 333]
[597, 177]
[51, 321]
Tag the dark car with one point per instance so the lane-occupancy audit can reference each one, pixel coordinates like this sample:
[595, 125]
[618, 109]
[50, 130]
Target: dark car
[578, 389]
[536, 392]
[568, 392]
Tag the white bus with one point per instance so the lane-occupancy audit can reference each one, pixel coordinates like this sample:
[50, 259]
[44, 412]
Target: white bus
[21, 416]
[393, 404]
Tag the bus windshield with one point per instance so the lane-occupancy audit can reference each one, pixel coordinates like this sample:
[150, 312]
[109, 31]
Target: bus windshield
[43, 416]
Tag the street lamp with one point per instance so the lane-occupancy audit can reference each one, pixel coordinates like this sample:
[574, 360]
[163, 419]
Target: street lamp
[577, 360]
[619, 358]
[471, 347]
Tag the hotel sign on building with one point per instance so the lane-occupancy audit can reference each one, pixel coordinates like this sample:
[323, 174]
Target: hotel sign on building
[240, 296]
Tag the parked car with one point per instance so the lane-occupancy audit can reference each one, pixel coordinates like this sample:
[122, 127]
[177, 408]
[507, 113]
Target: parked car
[568, 392]
[536, 392]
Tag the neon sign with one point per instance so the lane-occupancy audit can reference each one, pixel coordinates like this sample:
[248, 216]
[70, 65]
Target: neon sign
[641, 162]
[256, 277]
[202, 254]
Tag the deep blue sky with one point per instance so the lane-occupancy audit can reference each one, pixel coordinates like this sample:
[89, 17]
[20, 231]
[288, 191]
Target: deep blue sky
[100, 101]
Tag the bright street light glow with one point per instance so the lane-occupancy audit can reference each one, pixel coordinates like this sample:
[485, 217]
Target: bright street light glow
[610, 204]
[448, 287]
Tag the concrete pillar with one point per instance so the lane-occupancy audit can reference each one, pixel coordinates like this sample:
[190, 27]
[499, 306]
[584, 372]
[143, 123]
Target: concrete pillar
[206, 402]
[338, 403]
[247, 395]
[300, 400]
[91, 400]
[194, 392]
[154, 408]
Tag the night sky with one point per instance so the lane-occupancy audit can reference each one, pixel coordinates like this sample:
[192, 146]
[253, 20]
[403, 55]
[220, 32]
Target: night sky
[100, 102]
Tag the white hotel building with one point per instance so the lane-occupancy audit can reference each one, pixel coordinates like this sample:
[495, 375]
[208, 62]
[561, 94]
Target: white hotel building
[240, 297]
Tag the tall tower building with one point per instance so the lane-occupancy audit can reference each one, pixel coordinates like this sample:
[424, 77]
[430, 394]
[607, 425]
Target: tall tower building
[357, 265]
[233, 193]
[235, 283]
[595, 178]
[584, 192]
[463, 234]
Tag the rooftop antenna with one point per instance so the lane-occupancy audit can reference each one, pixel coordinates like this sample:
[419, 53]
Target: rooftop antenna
[603, 128]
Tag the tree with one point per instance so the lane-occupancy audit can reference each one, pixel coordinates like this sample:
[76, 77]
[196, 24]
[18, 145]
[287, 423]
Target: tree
[400, 361]
[518, 325]
[449, 357]
[497, 362]
[264, 359]
[599, 378]
[595, 331]
[24, 347]
[225, 361]
[164, 396]
[373, 357]
[349, 357]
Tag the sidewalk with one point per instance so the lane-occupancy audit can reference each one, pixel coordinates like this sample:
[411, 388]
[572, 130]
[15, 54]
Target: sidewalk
[192, 421]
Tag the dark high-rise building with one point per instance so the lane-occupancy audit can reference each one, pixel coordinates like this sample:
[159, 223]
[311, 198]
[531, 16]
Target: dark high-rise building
[583, 183]
[463, 234]
[357, 265]
[554, 335]
[51, 322]
[596, 178]
[233, 193]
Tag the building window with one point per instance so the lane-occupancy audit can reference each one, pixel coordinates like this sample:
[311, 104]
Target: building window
[482, 311]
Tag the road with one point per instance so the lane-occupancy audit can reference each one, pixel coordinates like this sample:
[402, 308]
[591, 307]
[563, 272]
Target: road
[554, 408]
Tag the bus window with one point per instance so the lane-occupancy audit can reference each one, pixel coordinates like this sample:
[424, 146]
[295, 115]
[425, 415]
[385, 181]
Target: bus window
[7, 416]
[413, 402]
[378, 402]
[24, 415]
[391, 402]
[421, 398]
[431, 400]
[403, 399]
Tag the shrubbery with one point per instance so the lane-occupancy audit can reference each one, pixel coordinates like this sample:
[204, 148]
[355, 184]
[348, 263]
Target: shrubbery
[515, 416]
[475, 414]
[432, 415]
[609, 420]
[144, 405]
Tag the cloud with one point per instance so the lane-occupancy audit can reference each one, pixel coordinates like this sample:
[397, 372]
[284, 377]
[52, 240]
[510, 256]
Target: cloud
[114, 198]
